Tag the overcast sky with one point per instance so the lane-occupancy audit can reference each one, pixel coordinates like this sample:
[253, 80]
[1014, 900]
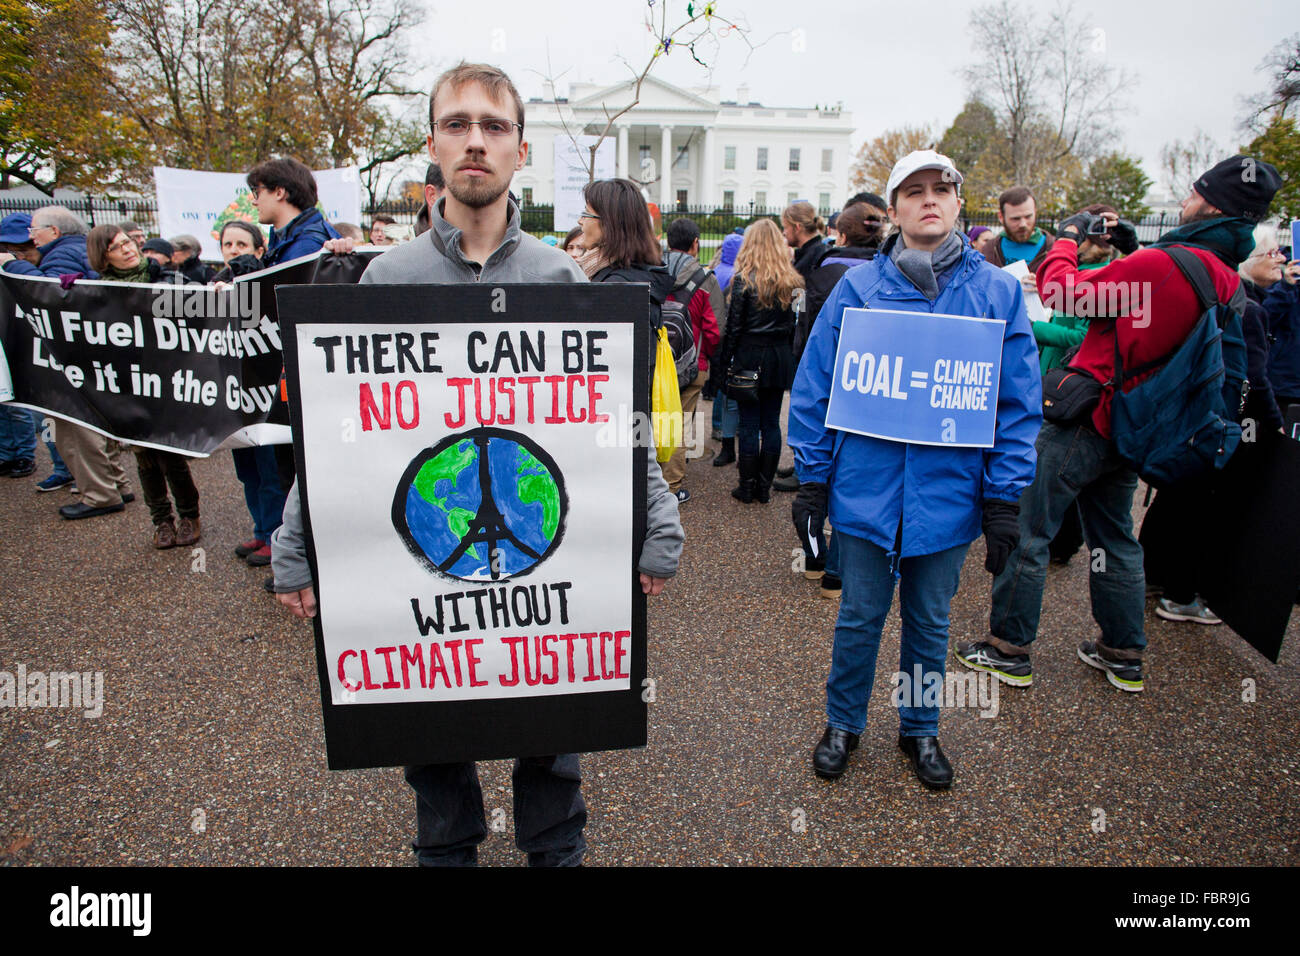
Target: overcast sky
[890, 63]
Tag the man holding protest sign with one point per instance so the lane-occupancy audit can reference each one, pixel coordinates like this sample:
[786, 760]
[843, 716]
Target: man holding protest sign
[475, 237]
[912, 421]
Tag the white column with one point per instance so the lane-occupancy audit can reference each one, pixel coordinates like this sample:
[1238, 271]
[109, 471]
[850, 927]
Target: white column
[622, 151]
[707, 168]
[666, 171]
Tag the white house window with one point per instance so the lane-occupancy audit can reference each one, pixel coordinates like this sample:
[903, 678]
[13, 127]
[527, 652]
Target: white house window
[794, 159]
[729, 157]
[683, 158]
[528, 160]
[762, 158]
[681, 200]
[528, 195]
[760, 199]
[791, 198]
[828, 159]
[824, 202]
[728, 199]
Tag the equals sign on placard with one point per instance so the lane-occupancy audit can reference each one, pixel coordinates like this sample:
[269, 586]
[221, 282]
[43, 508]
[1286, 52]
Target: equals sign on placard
[920, 380]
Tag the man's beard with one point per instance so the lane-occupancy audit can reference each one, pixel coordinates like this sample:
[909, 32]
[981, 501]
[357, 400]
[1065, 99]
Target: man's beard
[476, 193]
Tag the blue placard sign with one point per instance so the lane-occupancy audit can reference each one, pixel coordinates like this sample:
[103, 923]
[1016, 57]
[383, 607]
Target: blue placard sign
[918, 377]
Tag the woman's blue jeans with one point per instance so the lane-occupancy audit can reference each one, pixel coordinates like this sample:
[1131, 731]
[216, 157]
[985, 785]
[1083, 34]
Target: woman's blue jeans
[726, 416]
[927, 584]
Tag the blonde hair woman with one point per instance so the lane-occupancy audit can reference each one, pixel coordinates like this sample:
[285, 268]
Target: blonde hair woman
[766, 291]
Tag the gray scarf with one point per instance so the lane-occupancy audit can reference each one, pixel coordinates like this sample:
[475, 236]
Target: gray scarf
[923, 267]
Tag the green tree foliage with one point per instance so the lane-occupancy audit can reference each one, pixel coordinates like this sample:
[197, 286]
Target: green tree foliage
[223, 84]
[1279, 144]
[58, 124]
[1114, 179]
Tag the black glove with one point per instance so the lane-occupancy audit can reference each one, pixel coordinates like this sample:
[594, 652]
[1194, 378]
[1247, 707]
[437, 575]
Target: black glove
[243, 265]
[1001, 534]
[1125, 238]
[1083, 221]
[809, 515]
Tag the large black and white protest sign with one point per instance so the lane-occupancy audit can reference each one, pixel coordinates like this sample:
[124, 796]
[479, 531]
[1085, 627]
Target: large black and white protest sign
[475, 505]
[166, 366]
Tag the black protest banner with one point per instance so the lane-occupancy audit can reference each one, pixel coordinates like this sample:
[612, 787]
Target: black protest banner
[473, 493]
[1249, 574]
[177, 367]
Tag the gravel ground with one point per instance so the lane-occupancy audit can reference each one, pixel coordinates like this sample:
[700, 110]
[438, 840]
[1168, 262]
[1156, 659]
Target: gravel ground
[210, 748]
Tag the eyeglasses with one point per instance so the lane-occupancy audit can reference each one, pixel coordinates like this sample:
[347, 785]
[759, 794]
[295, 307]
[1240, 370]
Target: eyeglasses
[1271, 254]
[588, 215]
[492, 126]
[33, 230]
[122, 245]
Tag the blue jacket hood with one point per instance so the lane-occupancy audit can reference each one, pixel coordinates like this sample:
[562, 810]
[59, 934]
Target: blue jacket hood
[922, 498]
[304, 234]
[64, 256]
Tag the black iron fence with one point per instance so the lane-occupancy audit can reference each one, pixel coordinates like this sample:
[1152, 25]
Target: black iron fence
[715, 223]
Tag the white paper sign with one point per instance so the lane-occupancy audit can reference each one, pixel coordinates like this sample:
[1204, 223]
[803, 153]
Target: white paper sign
[199, 203]
[571, 176]
[1034, 307]
[473, 524]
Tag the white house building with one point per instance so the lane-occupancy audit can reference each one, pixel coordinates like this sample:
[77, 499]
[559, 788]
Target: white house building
[691, 148]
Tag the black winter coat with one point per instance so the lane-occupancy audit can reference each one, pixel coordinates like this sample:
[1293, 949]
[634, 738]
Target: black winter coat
[757, 337]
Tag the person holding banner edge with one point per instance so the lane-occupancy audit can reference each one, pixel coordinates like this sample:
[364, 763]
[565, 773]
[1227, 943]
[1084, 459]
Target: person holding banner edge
[475, 236]
[116, 257]
[902, 510]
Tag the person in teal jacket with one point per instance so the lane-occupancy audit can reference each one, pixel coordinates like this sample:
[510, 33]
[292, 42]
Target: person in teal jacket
[910, 511]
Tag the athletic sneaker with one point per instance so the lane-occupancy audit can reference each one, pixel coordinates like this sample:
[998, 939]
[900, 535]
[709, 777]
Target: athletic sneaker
[1126, 675]
[54, 483]
[1012, 669]
[1196, 612]
[682, 495]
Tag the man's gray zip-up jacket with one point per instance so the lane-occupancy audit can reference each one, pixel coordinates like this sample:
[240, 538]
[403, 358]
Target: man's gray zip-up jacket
[436, 257]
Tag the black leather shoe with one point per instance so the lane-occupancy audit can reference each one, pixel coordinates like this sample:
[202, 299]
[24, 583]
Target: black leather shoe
[831, 756]
[83, 510]
[128, 498]
[931, 766]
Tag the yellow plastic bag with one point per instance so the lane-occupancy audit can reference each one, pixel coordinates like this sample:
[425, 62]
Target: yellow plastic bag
[665, 401]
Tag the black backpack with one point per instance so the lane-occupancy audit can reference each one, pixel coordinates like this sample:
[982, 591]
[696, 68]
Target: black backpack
[669, 315]
[676, 319]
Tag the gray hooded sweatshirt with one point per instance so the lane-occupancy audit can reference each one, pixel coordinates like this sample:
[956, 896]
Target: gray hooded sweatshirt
[436, 257]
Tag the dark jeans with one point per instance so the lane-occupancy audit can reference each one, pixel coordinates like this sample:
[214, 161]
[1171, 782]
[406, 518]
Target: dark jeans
[157, 470]
[549, 812]
[256, 470]
[926, 585]
[760, 418]
[1076, 464]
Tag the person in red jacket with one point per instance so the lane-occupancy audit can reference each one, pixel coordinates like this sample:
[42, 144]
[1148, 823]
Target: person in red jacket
[1145, 300]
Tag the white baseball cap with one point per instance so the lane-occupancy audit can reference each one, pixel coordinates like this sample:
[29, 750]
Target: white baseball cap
[916, 161]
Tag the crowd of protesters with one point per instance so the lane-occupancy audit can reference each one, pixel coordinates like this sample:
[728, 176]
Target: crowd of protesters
[766, 313]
